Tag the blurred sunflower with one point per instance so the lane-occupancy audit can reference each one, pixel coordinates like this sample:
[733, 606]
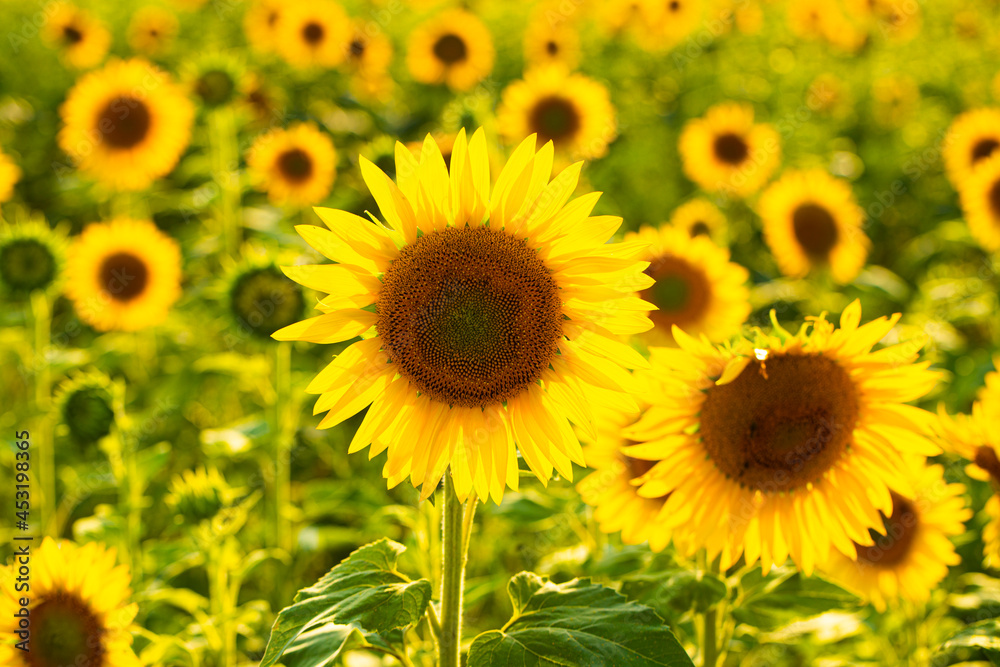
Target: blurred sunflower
[260, 297]
[152, 30]
[811, 220]
[697, 288]
[895, 99]
[455, 47]
[666, 23]
[369, 54]
[897, 20]
[572, 111]
[82, 40]
[972, 137]
[313, 34]
[263, 102]
[260, 23]
[727, 152]
[296, 166]
[123, 275]
[550, 43]
[980, 196]
[976, 438]
[700, 217]
[612, 488]
[86, 406]
[785, 445]
[484, 326]
[126, 124]
[78, 605]
[32, 257]
[911, 551]
[214, 79]
[198, 495]
[10, 174]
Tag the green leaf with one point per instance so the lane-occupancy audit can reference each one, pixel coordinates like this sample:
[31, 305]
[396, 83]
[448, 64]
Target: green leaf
[785, 595]
[363, 590]
[674, 592]
[972, 641]
[576, 624]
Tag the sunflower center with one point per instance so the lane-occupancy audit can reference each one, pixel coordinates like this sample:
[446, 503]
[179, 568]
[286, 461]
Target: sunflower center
[65, 632]
[272, 19]
[471, 315]
[450, 49]
[357, 48]
[26, 264]
[681, 292]
[295, 165]
[215, 87]
[124, 122]
[551, 48]
[781, 424]
[72, 35]
[995, 198]
[123, 276]
[893, 546]
[986, 458]
[815, 230]
[554, 118]
[674, 6]
[731, 148]
[264, 300]
[700, 229]
[983, 149]
[313, 33]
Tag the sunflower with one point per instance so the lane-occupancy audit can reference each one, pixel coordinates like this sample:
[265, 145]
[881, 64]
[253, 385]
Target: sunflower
[811, 220]
[32, 257]
[198, 495]
[152, 30]
[123, 275]
[82, 40]
[10, 174]
[126, 124]
[972, 137]
[263, 102]
[259, 297]
[481, 330]
[214, 79]
[666, 23]
[894, 99]
[976, 438]
[911, 551]
[784, 445]
[549, 43]
[700, 217]
[572, 111]
[313, 34]
[454, 48]
[612, 488]
[78, 607]
[697, 288]
[86, 406]
[260, 23]
[369, 54]
[980, 196]
[727, 152]
[296, 166]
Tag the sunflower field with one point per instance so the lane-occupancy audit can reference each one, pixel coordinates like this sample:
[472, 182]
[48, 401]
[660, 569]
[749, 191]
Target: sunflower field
[557, 333]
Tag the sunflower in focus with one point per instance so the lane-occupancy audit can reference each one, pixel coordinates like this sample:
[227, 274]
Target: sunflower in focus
[972, 137]
[455, 48]
[260, 24]
[727, 152]
[296, 166]
[123, 275]
[482, 330]
[785, 445]
[313, 34]
[369, 54]
[700, 217]
[82, 40]
[550, 43]
[10, 174]
[911, 551]
[152, 30]
[126, 124]
[78, 606]
[811, 220]
[572, 111]
[980, 196]
[697, 288]
[976, 438]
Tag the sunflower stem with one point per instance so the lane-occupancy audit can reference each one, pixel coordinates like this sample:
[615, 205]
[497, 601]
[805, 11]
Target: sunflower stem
[456, 526]
[225, 169]
[709, 630]
[41, 315]
[282, 454]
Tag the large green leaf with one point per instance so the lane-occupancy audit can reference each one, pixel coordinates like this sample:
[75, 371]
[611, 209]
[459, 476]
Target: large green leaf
[578, 624]
[976, 641]
[364, 590]
[674, 592]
